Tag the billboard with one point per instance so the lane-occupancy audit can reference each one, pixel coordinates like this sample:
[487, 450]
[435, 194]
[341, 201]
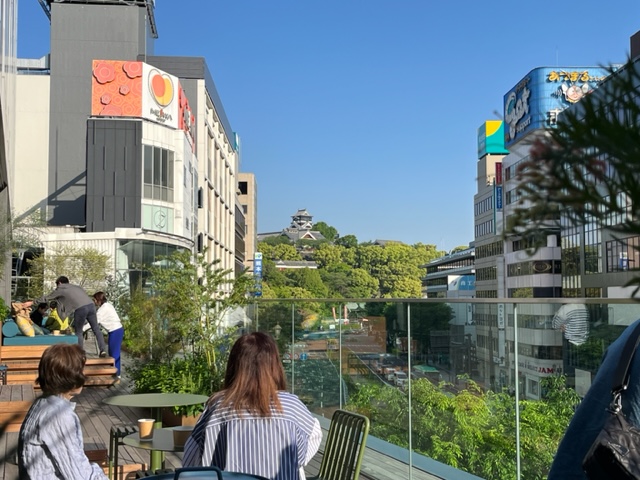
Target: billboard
[135, 89]
[534, 102]
[491, 138]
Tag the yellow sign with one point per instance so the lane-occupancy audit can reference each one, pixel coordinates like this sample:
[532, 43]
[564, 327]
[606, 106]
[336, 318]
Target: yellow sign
[574, 76]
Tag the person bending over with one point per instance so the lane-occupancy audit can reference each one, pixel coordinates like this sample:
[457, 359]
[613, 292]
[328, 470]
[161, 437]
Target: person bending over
[72, 298]
[50, 444]
[253, 413]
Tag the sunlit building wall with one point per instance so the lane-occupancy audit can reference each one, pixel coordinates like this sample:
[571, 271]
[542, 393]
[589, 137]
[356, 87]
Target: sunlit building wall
[8, 53]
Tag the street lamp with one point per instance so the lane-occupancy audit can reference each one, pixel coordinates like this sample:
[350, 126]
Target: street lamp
[277, 330]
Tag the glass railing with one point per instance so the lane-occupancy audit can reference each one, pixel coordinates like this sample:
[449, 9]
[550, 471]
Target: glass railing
[484, 386]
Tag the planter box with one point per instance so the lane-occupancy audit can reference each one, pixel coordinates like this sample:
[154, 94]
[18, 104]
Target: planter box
[170, 419]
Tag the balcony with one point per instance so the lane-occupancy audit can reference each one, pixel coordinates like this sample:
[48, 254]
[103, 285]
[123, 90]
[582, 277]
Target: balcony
[454, 390]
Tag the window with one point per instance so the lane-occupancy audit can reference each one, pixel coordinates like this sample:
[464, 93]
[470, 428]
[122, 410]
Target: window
[158, 173]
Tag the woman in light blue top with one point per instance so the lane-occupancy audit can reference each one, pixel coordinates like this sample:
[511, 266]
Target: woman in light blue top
[253, 426]
[50, 444]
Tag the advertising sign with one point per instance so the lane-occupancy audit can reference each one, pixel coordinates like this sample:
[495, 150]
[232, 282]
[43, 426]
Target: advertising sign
[542, 93]
[491, 138]
[498, 173]
[498, 197]
[134, 89]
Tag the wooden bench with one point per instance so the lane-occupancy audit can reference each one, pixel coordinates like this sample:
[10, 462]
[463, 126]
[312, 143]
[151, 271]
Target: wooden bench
[22, 366]
[15, 401]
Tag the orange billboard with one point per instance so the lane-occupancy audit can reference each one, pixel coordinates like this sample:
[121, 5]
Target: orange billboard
[134, 89]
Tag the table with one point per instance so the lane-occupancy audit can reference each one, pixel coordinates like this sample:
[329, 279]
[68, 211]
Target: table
[162, 441]
[156, 402]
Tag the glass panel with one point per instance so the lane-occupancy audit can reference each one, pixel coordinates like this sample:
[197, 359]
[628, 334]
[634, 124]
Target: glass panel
[170, 170]
[165, 168]
[148, 164]
[157, 166]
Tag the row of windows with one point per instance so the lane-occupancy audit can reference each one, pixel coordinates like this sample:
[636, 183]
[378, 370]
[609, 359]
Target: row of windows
[435, 282]
[486, 294]
[623, 255]
[484, 228]
[540, 351]
[458, 263]
[512, 171]
[484, 205]
[535, 292]
[490, 250]
[534, 267]
[487, 273]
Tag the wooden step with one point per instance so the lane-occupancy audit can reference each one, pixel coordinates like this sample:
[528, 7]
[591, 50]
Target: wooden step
[22, 365]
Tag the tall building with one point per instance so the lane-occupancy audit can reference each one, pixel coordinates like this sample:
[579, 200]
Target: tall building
[218, 151]
[489, 254]
[248, 198]
[140, 158]
[8, 51]
[530, 107]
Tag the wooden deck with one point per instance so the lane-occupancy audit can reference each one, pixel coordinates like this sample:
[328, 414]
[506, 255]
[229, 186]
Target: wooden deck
[97, 419]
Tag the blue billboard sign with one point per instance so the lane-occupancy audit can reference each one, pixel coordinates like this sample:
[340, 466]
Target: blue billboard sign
[498, 197]
[536, 100]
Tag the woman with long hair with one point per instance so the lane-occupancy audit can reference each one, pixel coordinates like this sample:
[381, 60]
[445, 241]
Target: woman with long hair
[50, 443]
[253, 425]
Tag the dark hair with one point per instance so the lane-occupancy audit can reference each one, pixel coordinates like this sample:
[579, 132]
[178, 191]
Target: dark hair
[254, 375]
[100, 297]
[61, 369]
[61, 279]
[43, 305]
[53, 304]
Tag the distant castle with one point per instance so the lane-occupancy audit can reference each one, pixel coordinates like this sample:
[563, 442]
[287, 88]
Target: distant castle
[301, 228]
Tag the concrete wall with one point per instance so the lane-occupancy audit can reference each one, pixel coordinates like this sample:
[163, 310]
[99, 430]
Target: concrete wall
[31, 169]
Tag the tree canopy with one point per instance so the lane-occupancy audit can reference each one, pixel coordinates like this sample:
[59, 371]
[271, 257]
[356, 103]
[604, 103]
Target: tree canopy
[347, 269]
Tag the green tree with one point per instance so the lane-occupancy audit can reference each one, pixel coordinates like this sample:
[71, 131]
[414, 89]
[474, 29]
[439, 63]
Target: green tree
[277, 240]
[459, 248]
[329, 232]
[86, 267]
[310, 280]
[281, 251]
[471, 430]
[348, 241]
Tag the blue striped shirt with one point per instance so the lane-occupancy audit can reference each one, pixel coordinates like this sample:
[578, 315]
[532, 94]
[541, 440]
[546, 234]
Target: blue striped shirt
[50, 445]
[275, 447]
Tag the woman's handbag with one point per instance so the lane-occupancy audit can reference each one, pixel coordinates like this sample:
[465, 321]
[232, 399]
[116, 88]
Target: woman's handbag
[615, 454]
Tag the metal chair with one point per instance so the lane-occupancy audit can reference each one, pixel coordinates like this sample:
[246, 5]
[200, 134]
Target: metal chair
[345, 445]
[116, 434]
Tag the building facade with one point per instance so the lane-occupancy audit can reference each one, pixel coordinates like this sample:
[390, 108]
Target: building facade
[8, 69]
[139, 158]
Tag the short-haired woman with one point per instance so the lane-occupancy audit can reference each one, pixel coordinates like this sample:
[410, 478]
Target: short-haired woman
[253, 425]
[109, 319]
[50, 444]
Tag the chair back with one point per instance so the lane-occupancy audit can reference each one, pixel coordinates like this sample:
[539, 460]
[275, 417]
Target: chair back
[345, 445]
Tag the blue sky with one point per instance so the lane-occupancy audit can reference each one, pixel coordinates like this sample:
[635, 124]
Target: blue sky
[365, 112]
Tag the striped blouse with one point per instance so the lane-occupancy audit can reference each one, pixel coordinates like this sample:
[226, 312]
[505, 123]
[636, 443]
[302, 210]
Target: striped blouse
[275, 447]
[573, 319]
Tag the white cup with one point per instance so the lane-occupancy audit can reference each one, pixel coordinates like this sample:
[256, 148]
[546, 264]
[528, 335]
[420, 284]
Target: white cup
[145, 428]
